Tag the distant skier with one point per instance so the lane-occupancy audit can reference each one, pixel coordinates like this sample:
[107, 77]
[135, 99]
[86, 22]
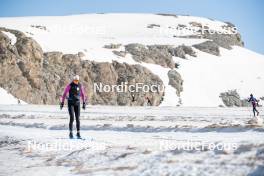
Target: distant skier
[133, 97]
[254, 103]
[75, 91]
[148, 101]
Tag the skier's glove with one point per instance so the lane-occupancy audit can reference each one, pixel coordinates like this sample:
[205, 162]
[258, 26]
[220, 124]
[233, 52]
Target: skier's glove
[84, 105]
[61, 105]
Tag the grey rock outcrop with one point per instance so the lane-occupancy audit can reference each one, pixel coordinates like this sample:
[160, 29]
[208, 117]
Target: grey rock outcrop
[231, 98]
[153, 25]
[195, 24]
[175, 80]
[112, 46]
[225, 40]
[158, 54]
[155, 54]
[208, 47]
[120, 53]
[219, 40]
[39, 27]
[181, 51]
[216, 38]
[39, 78]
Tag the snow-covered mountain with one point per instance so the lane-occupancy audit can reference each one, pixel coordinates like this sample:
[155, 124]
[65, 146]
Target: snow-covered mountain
[207, 64]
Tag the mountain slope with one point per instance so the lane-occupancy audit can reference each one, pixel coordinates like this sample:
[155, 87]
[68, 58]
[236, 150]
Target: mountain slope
[224, 67]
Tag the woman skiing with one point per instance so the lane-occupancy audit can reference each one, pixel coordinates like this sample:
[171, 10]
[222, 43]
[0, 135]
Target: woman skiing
[75, 91]
[254, 103]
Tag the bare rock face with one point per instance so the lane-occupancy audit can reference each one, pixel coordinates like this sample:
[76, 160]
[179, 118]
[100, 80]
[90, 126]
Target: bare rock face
[158, 54]
[181, 51]
[120, 53]
[231, 98]
[40, 78]
[28, 48]
[31, 56]
[221, 39]
[153, 25]
[113, 46]
[208, 47]
[5, 43]
[175, 80]
[17, 33]
[95, 74]
[216, 39]
[225, 40]
[20, 67]
[154, 54]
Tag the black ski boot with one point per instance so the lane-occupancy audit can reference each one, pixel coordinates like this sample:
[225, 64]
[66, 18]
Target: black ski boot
[70, 135]
[78, 135]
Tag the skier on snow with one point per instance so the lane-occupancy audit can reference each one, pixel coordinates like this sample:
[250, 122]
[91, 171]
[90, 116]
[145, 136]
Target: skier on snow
[254, 103]
[75, 91]
[148, 101]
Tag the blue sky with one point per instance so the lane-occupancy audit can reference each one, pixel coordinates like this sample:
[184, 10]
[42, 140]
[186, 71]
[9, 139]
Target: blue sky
[245, 14]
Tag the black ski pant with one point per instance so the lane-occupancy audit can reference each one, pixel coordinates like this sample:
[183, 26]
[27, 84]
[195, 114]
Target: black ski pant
[74, 110]
[255, 110]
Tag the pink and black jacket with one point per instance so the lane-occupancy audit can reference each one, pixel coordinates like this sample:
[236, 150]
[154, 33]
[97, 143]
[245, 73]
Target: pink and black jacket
[75, 92]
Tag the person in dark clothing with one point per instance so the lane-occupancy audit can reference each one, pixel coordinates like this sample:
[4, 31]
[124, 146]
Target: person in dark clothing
[254, 103]
[75, 91]
[133, 97]
[148, 101]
